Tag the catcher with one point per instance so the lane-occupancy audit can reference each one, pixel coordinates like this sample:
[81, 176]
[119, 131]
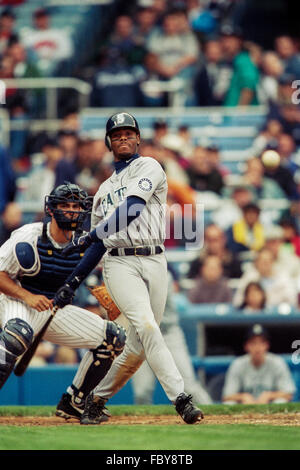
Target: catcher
[32, 269]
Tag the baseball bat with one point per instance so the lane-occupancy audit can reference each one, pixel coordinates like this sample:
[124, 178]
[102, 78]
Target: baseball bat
[27, 356]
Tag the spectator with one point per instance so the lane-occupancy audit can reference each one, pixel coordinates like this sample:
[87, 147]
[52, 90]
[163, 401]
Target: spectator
[279, 286]
[215, 244]
[254, 298]
[203, 176]
[68, 142]
[242, 90]
[7, 180]
[174, 163]
[116, 82]
[213, 76]
[124, 43]
[180, 215]
[285, 110]
[260, 185]
[25, 68]
[267, 137]
[151, 93]
[41, 179]
[291, 237]
[272, 69]
[258, 376]
[69, 167]
[286, 48]
[145, 25]
[143, 380]
[7, 24]
[184, 133]
[287, 151]
[50, 45]
[11, 219]
[282, 175]
[231, 206]
[247, 233]
[160, 129]
[177, 53]
[214, 157]
[211, 286]
[286, 261]
[231, 38]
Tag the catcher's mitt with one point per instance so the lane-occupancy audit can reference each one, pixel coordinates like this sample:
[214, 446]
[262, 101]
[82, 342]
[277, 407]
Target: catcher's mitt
[104, 299]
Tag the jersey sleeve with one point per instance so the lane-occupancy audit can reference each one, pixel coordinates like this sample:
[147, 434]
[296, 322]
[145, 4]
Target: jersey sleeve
[146, 176]
[8, 261]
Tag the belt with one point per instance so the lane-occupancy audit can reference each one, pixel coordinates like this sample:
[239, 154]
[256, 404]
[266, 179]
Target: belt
[137, 251]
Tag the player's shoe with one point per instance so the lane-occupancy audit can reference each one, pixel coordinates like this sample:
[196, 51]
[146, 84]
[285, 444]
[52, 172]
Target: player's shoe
[94, 410]
[67, 409]
[187, 410]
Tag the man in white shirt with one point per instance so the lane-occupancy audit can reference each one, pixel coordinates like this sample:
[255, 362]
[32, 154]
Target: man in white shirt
[258, 376]
[50, 45]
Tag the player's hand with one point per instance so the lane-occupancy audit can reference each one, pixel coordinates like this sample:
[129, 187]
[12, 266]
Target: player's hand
[64, 296]
[265, 397]
[247, 399]
[38, 302]
[78, 243]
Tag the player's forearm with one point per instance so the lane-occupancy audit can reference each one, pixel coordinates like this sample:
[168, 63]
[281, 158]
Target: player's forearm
[90, 260]
[246, 97]
[126, 213]
[239, 398]
[271, 396]
[9, 287]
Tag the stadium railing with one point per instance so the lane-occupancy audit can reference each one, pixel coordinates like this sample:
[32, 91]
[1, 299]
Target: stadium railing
[51, 86]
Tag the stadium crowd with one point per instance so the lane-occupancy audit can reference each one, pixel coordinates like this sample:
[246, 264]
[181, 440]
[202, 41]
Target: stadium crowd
[247, 260]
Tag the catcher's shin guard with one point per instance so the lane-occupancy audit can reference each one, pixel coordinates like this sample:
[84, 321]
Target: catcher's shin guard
[15, 339]
[103, 357]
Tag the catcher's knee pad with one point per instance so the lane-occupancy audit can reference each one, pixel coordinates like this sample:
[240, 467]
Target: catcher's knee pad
[114, 343]
[15, 338]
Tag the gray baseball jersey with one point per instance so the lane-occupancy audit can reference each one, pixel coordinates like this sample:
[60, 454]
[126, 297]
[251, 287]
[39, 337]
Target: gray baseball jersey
[143, 177]
[272, 375]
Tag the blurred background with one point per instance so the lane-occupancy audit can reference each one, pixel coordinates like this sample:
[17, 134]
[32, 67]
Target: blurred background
[213, 87]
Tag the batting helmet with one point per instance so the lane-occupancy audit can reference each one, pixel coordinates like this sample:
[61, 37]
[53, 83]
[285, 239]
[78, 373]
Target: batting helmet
[120, 121]
[68, 192]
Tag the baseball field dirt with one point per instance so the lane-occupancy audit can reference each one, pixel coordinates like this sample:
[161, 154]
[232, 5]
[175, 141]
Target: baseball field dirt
[158, 427]
[274, 419]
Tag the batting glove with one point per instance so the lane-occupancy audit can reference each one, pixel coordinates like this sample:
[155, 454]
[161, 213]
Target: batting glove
[78, 243]
[64, 296]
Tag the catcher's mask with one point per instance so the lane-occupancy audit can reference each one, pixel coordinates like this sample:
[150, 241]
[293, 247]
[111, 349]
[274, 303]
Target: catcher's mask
[66, 193]
[120, 121]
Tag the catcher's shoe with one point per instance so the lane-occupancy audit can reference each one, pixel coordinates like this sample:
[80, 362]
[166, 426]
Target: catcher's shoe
[94, 410]
[187, 410]
[67, 409]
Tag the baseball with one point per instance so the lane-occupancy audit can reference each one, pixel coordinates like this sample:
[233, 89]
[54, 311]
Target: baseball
[270, 158]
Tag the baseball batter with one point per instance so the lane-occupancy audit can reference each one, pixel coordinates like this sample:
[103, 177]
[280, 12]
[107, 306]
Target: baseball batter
[128, 224]
[32, 269]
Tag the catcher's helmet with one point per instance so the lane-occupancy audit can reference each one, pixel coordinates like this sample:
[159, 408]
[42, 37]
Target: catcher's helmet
[68, 192]
[120, 121]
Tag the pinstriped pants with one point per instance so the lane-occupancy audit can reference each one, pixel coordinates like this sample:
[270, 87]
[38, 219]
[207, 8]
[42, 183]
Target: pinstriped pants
[72, 326]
